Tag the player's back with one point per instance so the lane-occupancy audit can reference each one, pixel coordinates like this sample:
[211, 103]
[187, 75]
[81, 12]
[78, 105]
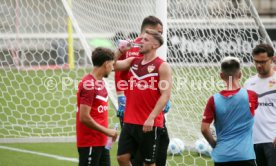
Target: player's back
[233, 122]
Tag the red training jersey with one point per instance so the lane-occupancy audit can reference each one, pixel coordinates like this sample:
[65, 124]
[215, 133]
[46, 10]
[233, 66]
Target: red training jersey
[92, 93]
[143, 92]
[209, 113]
[122, 75]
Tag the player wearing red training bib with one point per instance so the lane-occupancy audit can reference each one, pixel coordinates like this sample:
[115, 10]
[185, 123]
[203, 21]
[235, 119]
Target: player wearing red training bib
[92, 114]
[149, 88]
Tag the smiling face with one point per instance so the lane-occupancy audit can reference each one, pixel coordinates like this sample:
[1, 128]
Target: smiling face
[263, 63]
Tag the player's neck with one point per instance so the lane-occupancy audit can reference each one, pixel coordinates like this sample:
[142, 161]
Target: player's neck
[149, 57]
[96, 73]
[233, 85]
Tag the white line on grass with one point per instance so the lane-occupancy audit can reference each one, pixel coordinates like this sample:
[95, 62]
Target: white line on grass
[41, 154]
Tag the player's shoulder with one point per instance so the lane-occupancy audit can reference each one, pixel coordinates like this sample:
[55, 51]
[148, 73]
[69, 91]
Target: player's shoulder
[252, 93]
[88, 77]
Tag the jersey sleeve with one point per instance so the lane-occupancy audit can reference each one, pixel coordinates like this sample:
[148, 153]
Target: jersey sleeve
[253, 101]
[209, 112]
[87, 96]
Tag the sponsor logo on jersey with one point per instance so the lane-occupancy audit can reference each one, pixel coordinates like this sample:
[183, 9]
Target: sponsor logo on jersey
[102, 109]
[151, 68]
[132, 54]
[266, 104]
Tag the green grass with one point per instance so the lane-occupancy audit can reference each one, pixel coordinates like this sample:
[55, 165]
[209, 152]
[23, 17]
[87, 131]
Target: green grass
[30, 109]
[70, 150]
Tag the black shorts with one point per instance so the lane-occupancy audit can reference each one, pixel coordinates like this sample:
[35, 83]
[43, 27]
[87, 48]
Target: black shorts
[133, 138]
[162, 149]
[94, 156]
[238, 163]
[163, 144]
[265, 154]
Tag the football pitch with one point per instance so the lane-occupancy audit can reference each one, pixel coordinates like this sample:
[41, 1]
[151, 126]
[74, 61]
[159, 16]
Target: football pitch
[30, 109]
[65, 154]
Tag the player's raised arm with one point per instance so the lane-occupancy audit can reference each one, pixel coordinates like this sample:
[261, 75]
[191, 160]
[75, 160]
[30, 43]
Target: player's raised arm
[165, 86]
[122, 65]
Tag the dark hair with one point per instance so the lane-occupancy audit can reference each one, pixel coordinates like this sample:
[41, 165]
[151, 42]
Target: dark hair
[230, 66]
[263, 48]
[150, 21]
[101, 55]
[156, 35]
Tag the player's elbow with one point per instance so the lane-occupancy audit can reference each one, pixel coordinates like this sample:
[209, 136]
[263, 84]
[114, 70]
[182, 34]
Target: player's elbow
[84, 119]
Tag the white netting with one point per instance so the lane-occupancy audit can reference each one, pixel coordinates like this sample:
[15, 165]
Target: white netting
[33, 49]
[200, 34]
[38, 88]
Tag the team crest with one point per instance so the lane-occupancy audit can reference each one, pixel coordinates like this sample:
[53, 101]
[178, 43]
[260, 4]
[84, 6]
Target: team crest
[151, 68]
[271, 83]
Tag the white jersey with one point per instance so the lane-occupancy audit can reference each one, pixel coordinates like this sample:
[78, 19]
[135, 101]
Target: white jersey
[264, 128]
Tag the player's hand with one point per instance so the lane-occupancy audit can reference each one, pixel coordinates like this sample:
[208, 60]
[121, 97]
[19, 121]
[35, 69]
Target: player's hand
[121, 106]
[274, 142]
[167, 107]
[124, 45]
[148, 125]
[112, 133]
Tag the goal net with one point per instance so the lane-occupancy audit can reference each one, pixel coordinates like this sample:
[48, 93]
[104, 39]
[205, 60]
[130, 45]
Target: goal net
[44, 55]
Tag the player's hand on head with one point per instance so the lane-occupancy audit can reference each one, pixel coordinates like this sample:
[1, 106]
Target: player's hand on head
[167, 107]
[148, 125]
[121, 106]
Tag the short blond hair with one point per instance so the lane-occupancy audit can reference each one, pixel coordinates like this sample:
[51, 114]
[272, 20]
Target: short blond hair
[156, 35]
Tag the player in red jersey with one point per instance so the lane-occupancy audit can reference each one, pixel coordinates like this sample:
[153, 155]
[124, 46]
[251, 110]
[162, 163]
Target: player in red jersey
[148, 91]
[92, 116]
[149, 22]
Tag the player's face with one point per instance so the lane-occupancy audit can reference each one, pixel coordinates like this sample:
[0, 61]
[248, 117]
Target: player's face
[147, 43]
[108, 67]
[263, 63]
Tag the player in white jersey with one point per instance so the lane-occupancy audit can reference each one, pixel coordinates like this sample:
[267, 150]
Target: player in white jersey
[264, 84]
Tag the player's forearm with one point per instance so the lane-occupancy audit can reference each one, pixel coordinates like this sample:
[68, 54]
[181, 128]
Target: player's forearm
[161, 103]
[208, 136]
[118, 54]
[92, 124]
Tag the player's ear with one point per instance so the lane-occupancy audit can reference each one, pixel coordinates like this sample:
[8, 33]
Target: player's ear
[273, 58]
[239, 75]
[155, 45]
[222, 76]
[105, 64]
